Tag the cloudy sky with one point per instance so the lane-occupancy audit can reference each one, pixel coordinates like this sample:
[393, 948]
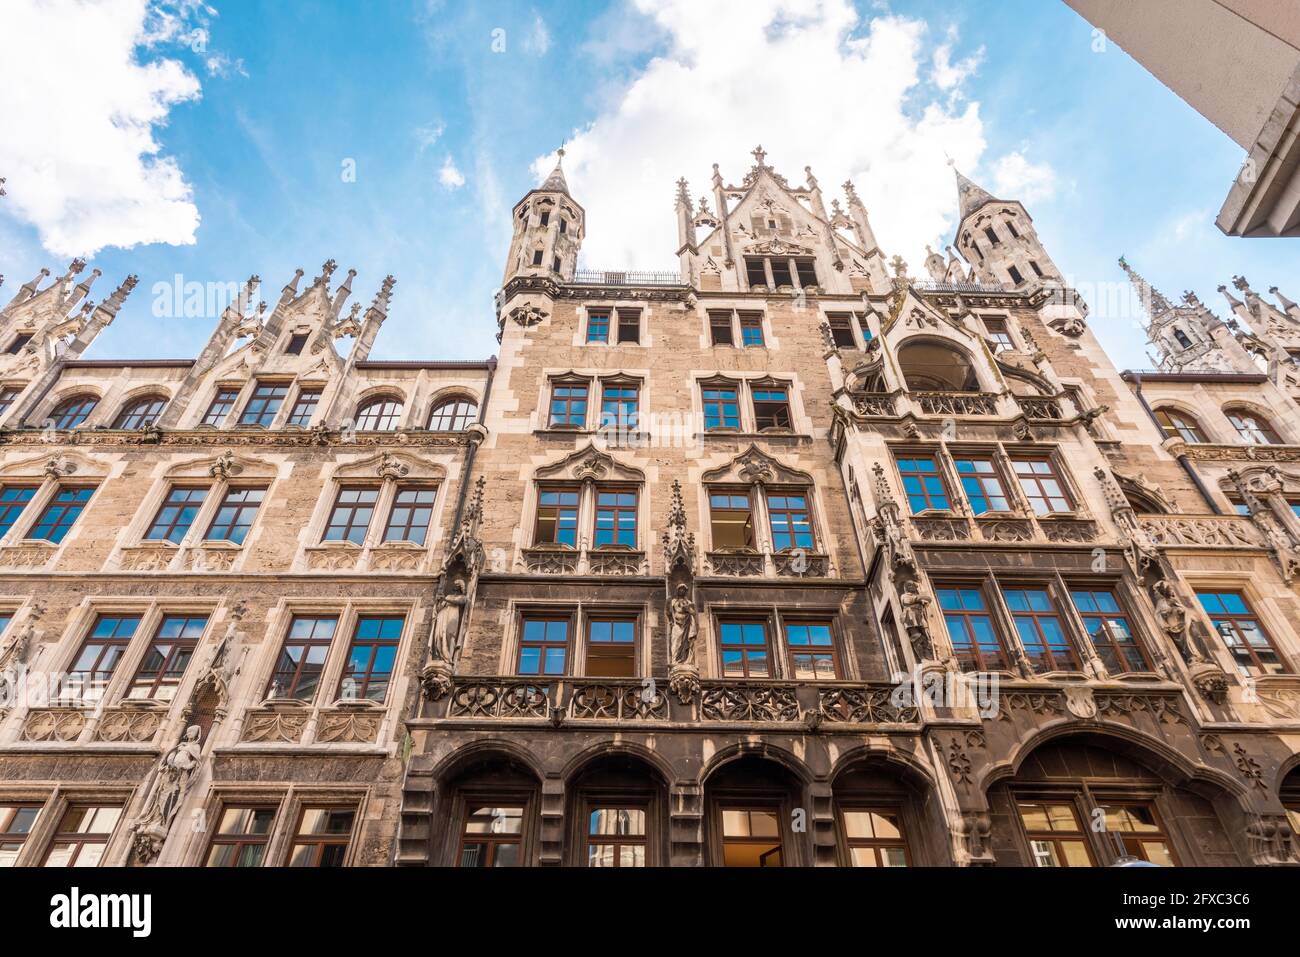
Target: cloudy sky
[200, 142]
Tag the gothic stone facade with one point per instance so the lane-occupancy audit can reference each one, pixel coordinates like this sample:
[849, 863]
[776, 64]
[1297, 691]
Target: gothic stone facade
[784, 558]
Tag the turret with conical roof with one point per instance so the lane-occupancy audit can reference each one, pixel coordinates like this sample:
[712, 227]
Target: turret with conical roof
[1187, 337]
[548, 230]
[997, 237]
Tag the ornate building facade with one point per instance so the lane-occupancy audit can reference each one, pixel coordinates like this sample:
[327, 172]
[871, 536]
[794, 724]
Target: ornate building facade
[785, 558]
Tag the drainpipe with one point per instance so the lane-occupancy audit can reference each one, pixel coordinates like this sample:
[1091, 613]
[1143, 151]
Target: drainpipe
[1182, 457]
[472, 448]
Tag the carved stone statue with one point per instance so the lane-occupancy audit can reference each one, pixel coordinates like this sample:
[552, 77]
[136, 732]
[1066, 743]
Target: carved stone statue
[446, 627]
[173, 778]
[915, 620]
[683, 626]
[1170, 609]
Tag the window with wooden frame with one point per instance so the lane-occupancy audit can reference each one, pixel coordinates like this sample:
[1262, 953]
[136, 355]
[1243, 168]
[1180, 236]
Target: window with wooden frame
[264, 403]
[7, 396]
[751, 329]
[411, 513]
[322, 837]
[598, 325]
[616, 836]
[220, 406]
[1179, 425]
[453, 415]
[16, 821]
[1251, 428]
[731, 520]
[380, 414]
[619, 406]
[1041, 633]
[790, 519]
[751, 836]
[557, 516]
[745, 648]
[176, 514]
[616, 517]
[1107, 624]
[13, 500]
[302, 658]
[811, 651]
[923, 482]
[873, 836]
[1251, 648]
[140, 412]
[981, 480]
[169, 654]
[543, 644]
[304, 407]
[771, 406]
[92, 669]
[1136, 827]
[372, 656]
[611, 647]
[568, 408]
[235, 516]
[974, 639]
[629, 326]
[241, 837]
[82, 836]
[1041, 484]
[350, 516]
[998, 333]
[721, 407]
[842, 333]
[492, 835]
[61, 513]
[720, 329]
[73, 412]
[1056, 837]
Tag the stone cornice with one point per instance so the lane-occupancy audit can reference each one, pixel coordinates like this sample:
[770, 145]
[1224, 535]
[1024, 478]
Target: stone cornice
[208, 438]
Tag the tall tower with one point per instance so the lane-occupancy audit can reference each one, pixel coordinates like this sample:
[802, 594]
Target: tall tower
[997, 237]
[1187, 337]
[548, 230]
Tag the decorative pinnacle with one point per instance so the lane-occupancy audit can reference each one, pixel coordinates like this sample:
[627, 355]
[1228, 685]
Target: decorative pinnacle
[759, 154]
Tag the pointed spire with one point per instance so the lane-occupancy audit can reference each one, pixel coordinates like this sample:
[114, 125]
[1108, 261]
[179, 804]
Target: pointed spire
[1287, 304]
[341, 295]
[555, 183]
[1233, 301]
[114, 302]
[291, 288]
[683, 194]
[379, 307]
[1155, 304]
[82, 289]
[970, 196]
[27, 290]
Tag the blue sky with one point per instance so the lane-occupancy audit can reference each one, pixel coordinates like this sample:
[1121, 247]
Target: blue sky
[247, 118]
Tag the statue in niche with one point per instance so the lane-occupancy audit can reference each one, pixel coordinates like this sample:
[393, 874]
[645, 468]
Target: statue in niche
[446, 629]
[683, 628]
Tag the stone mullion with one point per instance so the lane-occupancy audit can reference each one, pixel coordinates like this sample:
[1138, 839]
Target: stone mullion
[383, 507]
[1087, 647]
[763, 529]
[998, 606]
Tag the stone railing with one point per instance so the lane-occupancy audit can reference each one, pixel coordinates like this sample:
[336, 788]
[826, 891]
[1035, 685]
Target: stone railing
[1206, 531]
[499, 698]
[737, 564]
[748, 701]
[874, 403]
[618, 277]
[1040, 408]
[955, 403]
[617, 701]
[873, 704]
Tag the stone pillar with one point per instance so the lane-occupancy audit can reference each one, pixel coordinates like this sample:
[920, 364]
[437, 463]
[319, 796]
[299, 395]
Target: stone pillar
[686, 825]
[551, 826]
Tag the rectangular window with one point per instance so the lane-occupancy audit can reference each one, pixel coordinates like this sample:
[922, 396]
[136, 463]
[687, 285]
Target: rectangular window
[7, 396]
[16, 822]
[235, 516]
[264, 404]
[755, 271]
[304, 407]
[1249, 644]
[221, 405]
[174, 518]
[13, 499]
[811, 647]
[1137, 827]
[98, 658]
[746, 652]
[302, 659]
[543, 646]
[492, 836]
[781, 273]
[998, 333]
[164, 664]
[60, 514]
[789, 517]
[557, 517]
[408, 521]
[1014, 273]
[241, 837]
[598, 325]
[1105, 621]
[807, 270]
[629, 326]
[1040, 630]
[751, 837]
[721, 408]
[619, 407]
[720, 331]
[993, 237]
[20, 340]
[322, 837]
[970, 629]
[371, 657]
[83, 835]
[751, 329]
[1037, 271]
[537, 257]
[874, 837]
[350, 517]
[982, 484]
[842, 330]
[731, 520]
[296, 343]
[1056, 838]
[569, 405]
[771, 408]
[611, 648]
[616, 517]
[616, 837]
[923, 484]
[1042, 486]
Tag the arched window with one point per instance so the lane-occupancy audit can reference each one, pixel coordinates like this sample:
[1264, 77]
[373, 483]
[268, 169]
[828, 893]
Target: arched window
[453, 415]
[1252, 428]
[380, 414]
[1179, 425]
[930, 366]
[140, 412]
[72, 412]
[1182, 339]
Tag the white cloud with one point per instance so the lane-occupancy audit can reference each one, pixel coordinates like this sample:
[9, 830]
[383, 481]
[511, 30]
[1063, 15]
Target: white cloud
[538, 40]
[449, 176]
[947, 75]
[820, 88]
[426, 136]
[80, 112]
[1015, 177]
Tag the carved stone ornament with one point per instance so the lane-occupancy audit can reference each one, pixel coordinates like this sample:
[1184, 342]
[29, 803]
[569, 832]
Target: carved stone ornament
[684, 682]
[1080, 702]
[528, 316]
[172, 779]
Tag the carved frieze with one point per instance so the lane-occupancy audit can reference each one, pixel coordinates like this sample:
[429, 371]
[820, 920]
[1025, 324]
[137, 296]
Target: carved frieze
[275, 726]
[618, 701]
[129, 725]
[54, 724]
[748, 702]
[349, 726]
